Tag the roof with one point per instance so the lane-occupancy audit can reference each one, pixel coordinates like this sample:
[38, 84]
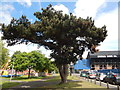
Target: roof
[105, 54]
[82, 64]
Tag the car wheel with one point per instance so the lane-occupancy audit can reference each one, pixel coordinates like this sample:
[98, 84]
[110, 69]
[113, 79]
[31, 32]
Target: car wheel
[104, 80]
[114, 82]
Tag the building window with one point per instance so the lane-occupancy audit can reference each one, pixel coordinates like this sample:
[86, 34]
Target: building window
[113, 66]
[101, 66]
[105, 67]
[92, 67]
[116, 66]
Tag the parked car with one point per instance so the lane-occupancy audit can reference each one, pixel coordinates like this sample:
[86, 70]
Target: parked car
[83, 73]
[100, 76]
[113, 78]
[92, 75]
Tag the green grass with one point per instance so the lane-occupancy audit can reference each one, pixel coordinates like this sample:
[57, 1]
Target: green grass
[56, 78]
[72, 84]
[3, 81]
[5, 77]
[6, 83]
[9, 84]
[25, 78]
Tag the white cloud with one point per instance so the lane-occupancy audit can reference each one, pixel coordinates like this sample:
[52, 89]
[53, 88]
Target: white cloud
[89, 8]
[110, 19]
[26, 3]
[61, 7]
[27, 48]
[5, 13]
[6, 7]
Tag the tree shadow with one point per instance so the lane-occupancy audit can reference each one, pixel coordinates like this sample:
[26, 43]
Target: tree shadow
[70, 84]
[9, 84]
[25, 78]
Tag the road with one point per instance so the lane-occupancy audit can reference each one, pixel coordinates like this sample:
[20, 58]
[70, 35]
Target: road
[107, 85]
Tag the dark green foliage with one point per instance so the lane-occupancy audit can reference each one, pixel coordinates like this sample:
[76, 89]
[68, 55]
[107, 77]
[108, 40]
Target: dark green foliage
[66, 35]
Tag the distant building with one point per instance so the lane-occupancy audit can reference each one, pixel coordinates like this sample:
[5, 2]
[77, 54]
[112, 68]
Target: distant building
[99, 61]
[104, 60]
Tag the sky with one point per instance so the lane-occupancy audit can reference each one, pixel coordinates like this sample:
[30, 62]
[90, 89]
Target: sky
[104, 12]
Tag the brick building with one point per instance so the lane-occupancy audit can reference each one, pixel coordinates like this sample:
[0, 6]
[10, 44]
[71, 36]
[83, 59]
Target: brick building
[104, 60]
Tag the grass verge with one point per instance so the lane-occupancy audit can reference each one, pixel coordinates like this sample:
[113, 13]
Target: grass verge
[5, 83]
[73, 83]
[9, 84]
[25, 78]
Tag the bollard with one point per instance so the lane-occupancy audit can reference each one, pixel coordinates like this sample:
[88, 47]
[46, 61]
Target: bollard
[95, 81]
[118, 88]
[91, 80]
[100, 83]
[88, 79]
[107, 85]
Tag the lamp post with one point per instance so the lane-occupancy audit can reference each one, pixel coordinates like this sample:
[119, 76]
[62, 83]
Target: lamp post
[71, 68]
[12, 71]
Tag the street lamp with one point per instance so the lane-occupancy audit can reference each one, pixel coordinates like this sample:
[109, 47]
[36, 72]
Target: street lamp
[71, 68]
[12, 70]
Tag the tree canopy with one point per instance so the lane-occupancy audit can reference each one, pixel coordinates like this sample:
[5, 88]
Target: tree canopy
[4, 55]
[66, 35]
[34, 60]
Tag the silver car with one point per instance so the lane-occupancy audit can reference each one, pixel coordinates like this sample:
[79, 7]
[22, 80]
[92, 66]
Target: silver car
[100, 76]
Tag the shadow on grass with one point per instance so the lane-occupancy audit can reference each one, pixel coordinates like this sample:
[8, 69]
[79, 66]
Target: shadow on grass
[9, 84]
[25, 78]
[55, 78]
[70, 84]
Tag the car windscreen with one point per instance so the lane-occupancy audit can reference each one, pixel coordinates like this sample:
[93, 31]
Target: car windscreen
[118, 75]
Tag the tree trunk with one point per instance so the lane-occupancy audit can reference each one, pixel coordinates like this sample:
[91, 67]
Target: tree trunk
[63, 70]
[29, 73]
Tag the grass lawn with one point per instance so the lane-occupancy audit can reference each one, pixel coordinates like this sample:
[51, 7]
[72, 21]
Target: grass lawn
[72, 84]
[3, 81]
[25, 78]
[6, 83]
[9, 84]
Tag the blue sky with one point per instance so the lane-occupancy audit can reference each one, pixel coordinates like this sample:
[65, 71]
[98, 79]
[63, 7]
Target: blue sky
[104, 12]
